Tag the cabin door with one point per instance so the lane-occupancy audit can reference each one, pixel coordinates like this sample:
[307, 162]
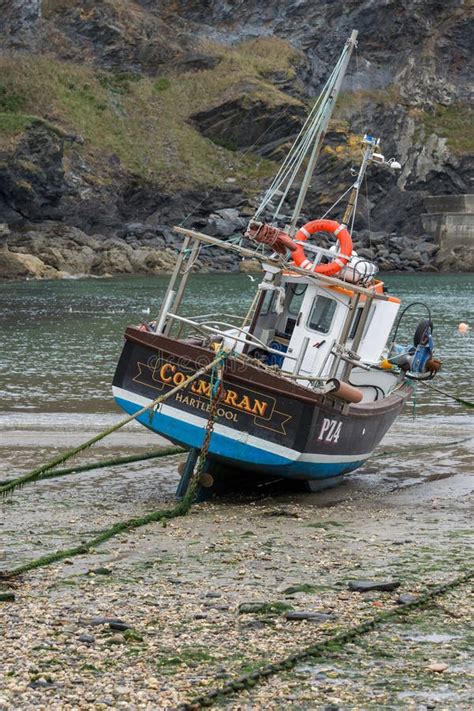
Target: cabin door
[320, 321]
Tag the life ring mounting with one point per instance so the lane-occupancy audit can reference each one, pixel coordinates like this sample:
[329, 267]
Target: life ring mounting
[338, 230]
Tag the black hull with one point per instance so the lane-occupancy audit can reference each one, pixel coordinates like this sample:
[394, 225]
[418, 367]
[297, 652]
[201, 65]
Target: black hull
[265, 423]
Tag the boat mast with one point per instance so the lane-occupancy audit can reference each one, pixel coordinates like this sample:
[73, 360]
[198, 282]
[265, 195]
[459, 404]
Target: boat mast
[327, 113]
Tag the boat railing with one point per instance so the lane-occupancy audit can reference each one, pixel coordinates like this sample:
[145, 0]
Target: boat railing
[217, 314]
[216, 330]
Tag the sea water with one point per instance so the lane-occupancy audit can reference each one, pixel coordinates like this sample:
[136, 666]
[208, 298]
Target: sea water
[60, 342]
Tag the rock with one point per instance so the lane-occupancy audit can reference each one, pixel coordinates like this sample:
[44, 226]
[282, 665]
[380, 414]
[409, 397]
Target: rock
[319, 617]
[7, 597]
[229, 213]
[100, 571]
[254, 625]
[366, 253]
[367, 585]
[86, 639]
[14, 265]
[96, 621]
[438, 667]
[410, 255]
[213, 594]
[32, 178]
[406, 599]
[119, 626]
[249, 607]
[250, 266]
[41, 683]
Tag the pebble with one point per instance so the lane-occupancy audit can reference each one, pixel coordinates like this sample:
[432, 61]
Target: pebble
[367, 585]
[296, 615]
[95, 621]
[437, 667]
[7, 597]
[406, 599]
[86, 638]
[119, 626]
[249, 607]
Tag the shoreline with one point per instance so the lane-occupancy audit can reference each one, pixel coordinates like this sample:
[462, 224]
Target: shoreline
[205, 599]
[54, 250]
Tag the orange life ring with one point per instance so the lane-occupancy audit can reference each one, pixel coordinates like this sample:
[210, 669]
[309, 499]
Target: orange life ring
[339, 231]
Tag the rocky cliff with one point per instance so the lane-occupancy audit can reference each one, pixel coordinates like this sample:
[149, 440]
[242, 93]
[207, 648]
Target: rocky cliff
[121, 118]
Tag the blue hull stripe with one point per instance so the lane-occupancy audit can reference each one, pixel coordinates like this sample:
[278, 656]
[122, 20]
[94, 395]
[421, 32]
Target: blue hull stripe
[237, 454]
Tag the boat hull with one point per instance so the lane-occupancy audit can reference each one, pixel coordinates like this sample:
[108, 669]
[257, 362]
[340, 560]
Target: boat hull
[265, 424]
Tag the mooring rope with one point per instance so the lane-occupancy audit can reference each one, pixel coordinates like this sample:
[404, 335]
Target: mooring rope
[414, 450]
[117, 461]
[180, 509]
[36, 473]
[330, 644]
[458, 399]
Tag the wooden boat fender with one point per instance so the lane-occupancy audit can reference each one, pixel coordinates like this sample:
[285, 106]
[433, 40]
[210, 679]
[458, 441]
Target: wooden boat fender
[339, 231]
[345, 391]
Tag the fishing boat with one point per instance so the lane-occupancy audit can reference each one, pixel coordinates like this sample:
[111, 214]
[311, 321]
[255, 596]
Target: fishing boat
[312, 380]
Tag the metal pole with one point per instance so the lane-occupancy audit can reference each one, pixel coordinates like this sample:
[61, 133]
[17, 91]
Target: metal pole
[344, 333]
[170, 288]
[351, 43]
[182, 285]
[301, 355]
[358, 337]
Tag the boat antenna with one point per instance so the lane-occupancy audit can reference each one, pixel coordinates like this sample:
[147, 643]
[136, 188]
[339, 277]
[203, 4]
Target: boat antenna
[326, 113]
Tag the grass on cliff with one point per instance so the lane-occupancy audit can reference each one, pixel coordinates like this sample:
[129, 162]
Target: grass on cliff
[144, 121]
[455, 123]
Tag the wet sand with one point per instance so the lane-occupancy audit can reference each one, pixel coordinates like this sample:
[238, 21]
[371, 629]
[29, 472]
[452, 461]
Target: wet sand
[180, 588]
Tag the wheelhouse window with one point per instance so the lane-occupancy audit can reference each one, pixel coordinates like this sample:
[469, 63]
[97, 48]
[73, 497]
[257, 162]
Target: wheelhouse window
[322, 314]
[267, 302]
[297, 292]
[355, 323]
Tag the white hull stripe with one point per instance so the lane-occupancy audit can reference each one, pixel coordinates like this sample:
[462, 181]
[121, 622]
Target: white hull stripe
[235, 435]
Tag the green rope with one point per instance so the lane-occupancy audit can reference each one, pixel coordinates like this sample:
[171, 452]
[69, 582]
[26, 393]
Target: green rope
[329, 645]
[36, 473]
[181, 509]
[424, 447]
[460, 400]
[117, 461]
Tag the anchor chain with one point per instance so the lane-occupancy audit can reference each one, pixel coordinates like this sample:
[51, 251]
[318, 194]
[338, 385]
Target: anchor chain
[329, 645]
[216, 393]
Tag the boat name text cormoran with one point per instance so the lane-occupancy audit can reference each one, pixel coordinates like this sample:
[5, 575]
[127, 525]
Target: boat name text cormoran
[170, 375]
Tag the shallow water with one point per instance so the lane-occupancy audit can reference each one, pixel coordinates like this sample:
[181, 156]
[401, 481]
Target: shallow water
[60, 341]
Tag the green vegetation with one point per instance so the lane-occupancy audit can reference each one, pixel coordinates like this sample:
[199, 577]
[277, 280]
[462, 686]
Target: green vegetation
[9, 100]
[303, 588]
[141, 120]
[162, 84]
[264, 608]
[455, 123]
[324, 524]
[188, 656]
[118, 83]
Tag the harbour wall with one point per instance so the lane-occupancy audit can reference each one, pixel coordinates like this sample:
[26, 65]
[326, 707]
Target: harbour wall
[450, 220]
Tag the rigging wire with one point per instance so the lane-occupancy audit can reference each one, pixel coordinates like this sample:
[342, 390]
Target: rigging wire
[310, 133]
[307, 127]
[366, 185]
